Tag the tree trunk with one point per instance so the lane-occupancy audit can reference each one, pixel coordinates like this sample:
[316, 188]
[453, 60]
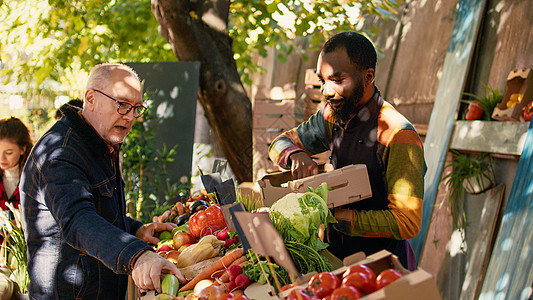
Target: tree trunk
[197, 32]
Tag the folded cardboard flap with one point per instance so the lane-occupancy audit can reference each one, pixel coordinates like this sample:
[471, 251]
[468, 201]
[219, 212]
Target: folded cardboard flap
[346, 185]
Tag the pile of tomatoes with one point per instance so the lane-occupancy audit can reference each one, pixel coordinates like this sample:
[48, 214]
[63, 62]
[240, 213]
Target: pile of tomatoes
[356, 282]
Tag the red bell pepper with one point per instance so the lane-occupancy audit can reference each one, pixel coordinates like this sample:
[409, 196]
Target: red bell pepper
[212, 216]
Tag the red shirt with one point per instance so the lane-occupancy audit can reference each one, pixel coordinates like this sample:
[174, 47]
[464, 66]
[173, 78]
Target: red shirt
[14, 199]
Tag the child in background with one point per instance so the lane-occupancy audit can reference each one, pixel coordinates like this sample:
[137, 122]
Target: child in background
[15, 146]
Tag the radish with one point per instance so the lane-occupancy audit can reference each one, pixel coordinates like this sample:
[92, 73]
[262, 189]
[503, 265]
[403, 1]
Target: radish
[232, 286]
[223, 234]
[234, 270]
[228, 243]
[242, 281]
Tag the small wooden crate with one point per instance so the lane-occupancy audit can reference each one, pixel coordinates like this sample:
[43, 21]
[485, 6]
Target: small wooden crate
[313, 96]
[273, 113]
[519, 86]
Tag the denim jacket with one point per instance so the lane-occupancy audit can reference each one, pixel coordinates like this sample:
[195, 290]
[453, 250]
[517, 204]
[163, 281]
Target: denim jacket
[81, 244]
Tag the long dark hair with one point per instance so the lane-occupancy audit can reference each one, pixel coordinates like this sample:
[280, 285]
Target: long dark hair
[14, 130]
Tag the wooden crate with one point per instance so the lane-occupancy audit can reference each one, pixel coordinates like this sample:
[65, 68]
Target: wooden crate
[273, 113]
[313, 101]
[313, 96]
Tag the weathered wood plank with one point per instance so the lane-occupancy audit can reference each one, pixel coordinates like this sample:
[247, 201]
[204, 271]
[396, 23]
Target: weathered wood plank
[439, 233]
[451, 85]
[489, 136]
[510, 271]
[478, 257]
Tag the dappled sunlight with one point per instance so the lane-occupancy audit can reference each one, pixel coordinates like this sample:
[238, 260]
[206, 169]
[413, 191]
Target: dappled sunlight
[213, 20]
[174, 93]
[165, 110]
[287, 19]
[457, 243]
[405, 202]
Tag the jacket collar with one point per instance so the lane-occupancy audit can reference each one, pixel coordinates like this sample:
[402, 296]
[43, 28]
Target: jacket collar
[94, 142]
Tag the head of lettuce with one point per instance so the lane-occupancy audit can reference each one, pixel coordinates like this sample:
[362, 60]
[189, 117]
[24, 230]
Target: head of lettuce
[298, 216]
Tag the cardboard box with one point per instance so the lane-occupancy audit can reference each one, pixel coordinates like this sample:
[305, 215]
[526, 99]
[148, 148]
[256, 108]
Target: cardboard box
[349, 184]
[418, 284]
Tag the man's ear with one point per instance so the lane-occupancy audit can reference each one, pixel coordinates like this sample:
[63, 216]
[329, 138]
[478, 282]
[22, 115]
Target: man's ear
[369, 77]
[88, 102]
[89, 96]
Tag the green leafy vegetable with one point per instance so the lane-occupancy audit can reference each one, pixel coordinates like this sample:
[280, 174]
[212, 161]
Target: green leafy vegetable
[298, 216]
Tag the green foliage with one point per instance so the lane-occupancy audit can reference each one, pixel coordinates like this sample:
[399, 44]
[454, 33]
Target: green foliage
[250, 202]
[294, 26]
[42, 42]
[488, 102]
[150, 190]
[13, 249]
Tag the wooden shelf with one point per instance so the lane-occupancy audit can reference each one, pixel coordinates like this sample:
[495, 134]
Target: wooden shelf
[489, 136]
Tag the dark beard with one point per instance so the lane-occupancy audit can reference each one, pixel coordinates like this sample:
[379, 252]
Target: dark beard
[350, 104]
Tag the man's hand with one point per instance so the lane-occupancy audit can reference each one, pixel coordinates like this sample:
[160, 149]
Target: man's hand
[302, 165]
[147, 232]
[148, 270]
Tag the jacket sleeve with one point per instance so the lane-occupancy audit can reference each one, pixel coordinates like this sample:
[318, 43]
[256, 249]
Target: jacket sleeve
[405, 183]
[70, 200]
[308, 137]
[134, 225]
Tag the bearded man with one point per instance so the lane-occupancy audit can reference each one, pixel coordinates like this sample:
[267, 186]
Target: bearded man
[359, 127]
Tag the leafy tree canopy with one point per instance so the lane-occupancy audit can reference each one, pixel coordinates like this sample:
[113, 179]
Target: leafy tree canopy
[45, 44]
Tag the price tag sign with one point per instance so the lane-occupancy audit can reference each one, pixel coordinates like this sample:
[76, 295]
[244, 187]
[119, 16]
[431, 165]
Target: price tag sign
[210, 181]
[264, 238]
[225, 192]
[229, 215]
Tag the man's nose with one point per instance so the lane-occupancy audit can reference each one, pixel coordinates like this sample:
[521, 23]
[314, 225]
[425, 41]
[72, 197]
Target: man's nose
[327, 90]
[129, 116]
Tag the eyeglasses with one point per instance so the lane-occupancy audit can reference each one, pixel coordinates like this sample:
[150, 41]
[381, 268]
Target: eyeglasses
[123, 108]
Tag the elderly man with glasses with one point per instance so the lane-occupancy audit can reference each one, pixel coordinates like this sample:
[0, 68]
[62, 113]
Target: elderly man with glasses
[81, 244]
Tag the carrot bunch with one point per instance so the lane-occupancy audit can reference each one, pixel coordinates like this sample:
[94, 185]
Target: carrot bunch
[217, 268]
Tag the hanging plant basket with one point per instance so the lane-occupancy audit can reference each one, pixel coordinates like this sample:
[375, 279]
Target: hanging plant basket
[477, 184]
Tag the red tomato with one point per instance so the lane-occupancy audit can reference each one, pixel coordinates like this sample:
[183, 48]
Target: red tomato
[301, 294]
[212, 216]
[346, 293]
[387, 277]
[474, 111]
[360, 269]
[322, 284]
[360, 281]
[528, 112]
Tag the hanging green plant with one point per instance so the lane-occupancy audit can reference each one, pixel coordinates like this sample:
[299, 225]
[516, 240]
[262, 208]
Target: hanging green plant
[470, 172]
